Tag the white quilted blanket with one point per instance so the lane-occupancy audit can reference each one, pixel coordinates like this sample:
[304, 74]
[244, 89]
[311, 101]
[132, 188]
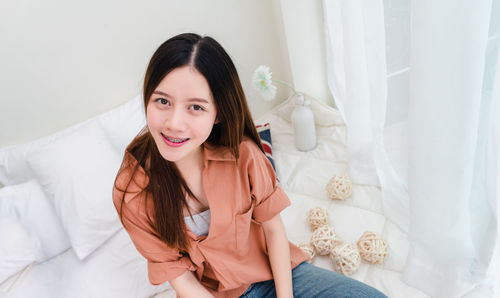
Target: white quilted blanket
[304, 175]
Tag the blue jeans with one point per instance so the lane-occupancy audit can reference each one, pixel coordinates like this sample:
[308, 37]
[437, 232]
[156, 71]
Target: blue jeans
[311, 281]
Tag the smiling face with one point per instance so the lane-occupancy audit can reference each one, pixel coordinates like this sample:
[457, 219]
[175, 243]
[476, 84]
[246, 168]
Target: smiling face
[180, 114]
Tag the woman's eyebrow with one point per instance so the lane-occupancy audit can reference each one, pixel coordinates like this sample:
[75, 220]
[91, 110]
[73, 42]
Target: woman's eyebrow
[195, 99]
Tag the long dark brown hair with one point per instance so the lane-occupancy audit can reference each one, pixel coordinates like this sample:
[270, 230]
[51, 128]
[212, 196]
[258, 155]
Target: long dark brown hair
[166, 187]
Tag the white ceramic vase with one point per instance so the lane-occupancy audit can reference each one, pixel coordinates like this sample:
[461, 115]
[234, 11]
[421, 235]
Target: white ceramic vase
[303, 124]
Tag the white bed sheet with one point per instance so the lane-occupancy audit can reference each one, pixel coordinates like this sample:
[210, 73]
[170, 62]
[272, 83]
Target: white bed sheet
[115, 270]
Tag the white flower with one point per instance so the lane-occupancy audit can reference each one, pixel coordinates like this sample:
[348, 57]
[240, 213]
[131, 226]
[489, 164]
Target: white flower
[263, 83]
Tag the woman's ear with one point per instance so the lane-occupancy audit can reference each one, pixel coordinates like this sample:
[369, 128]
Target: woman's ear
[216, 120]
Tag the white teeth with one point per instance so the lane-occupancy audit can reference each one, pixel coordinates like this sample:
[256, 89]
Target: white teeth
[175, 140]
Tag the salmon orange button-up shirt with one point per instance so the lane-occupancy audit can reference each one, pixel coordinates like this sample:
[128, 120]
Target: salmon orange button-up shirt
[240, 196]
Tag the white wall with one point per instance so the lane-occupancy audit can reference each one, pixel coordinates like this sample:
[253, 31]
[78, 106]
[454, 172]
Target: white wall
[62, 62]
[305, 38]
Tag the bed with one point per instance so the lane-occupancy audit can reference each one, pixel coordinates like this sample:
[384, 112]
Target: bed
[99, 260]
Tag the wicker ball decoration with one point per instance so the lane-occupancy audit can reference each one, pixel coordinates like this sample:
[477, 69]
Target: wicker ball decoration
[372, 247]
[317, 217]
[324, 239]
[308, 249]
[346, 258]
[339, 187]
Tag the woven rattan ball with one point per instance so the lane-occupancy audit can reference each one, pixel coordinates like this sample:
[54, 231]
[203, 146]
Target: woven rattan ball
[323, 239]
[372, 247]
[346, 258]
[339, 187]
[316, 217]
[308, 249]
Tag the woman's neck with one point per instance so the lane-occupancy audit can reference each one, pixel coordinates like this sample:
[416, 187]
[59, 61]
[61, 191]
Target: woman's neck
[190, 164]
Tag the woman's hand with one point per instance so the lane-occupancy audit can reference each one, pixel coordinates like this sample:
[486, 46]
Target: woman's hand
[279, 256]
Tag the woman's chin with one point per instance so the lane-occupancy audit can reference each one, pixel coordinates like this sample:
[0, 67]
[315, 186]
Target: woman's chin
[170, 157]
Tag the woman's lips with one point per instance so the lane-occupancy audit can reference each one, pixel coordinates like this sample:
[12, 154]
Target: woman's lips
[174, 142]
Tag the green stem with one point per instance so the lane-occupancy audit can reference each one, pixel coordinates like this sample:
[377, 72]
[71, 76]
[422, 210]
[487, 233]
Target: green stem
[286, 84]
[294, 91]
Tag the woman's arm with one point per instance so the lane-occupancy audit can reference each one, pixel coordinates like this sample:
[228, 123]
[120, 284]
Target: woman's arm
[279, 255]
[186, 285]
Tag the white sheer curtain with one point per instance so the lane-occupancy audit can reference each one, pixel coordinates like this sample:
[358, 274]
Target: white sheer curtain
[446, 98]
[355, 47]
[452, 227]
[493, 182]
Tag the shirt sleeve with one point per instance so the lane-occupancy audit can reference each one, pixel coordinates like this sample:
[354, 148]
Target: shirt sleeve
[270, 199]
[164, 262]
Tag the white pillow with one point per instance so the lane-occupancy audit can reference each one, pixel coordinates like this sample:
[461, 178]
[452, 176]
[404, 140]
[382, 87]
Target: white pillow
[77, 173]
[123, 123]
[28, 204]
[17, 248]
[13, 166]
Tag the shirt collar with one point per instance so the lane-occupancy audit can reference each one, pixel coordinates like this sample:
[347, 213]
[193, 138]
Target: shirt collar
[213, 152]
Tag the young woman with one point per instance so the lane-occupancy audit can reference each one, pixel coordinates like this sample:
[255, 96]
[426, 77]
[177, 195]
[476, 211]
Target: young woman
[198, 196]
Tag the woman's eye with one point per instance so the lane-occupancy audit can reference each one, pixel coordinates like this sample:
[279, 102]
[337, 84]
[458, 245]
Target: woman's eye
[163, 101]
[196, 108]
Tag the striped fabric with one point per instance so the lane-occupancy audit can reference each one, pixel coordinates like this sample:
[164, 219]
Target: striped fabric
[265, 137]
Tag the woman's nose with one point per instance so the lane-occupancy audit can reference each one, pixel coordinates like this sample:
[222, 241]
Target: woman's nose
[176, 120]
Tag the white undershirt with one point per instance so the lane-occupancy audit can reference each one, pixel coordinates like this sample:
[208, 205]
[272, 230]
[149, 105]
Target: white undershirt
[201, 222]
